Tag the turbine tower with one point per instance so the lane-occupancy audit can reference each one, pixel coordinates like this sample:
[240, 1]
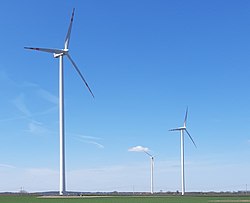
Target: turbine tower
[182, 130]
[152, 172]
[60, 53]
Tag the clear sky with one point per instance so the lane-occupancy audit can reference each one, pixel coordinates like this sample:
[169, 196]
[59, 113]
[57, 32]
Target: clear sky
[145, 61]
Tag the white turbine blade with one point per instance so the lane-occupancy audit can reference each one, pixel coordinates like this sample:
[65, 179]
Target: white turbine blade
[54, 51]
[185, 120]
[78, 71]
[190, 138]
[67, 39]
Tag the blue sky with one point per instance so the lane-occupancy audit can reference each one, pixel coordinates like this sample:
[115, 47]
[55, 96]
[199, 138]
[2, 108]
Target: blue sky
[145, 61]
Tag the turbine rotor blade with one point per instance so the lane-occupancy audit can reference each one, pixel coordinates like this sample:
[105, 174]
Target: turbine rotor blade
[53, 51]
[67, 39]
[148, 154]
[80, 74]
[185, 120]
[175, 129]
[190, 138]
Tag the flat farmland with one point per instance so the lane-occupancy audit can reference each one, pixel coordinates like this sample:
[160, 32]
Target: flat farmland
[125, 199]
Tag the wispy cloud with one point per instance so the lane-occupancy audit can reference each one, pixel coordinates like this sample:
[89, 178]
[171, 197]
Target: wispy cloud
[5, 78]
[88, 137]
[29, 93]
[26, 84]
[13, 118]
[41, 172]
[138, 149]
[35, 127]
[47, 111]
[100, 146]
[89, 140]
[6, 166]
[19, 103]
[46, 95]
[41, 92]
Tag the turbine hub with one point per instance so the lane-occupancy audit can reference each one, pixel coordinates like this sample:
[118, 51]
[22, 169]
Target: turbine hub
[58, 55]
[61, 53]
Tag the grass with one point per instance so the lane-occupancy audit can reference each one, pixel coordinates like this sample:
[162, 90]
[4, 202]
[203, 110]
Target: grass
[126, 199]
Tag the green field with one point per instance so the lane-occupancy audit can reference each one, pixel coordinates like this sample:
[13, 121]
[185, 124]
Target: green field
[155, 199]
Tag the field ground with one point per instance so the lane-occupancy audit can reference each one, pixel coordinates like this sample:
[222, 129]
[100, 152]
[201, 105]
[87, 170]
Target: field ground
[126, 199]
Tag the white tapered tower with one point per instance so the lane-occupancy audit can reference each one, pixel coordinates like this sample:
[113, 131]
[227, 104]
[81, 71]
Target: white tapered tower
[62, 189]
[182, 130]
[182, 164]
[151, 172]
[60, 53]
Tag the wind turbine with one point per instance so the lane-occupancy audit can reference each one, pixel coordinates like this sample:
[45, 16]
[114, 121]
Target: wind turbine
[145, 150]
[182, 130]
[60, 53]
[152, 171]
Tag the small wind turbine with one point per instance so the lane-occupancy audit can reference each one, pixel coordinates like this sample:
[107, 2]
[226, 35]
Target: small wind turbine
[60, 53]
[182, 129]
[145, 150]
[152, 171]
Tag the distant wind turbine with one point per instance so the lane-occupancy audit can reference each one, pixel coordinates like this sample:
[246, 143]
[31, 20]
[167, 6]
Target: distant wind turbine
[152, 171]
[145, 150]
[182, 129]
[60, 53]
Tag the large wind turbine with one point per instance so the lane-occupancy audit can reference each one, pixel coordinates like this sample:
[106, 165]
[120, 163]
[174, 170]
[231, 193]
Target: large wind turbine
[152, 171]
[60, 53]
[182, 130]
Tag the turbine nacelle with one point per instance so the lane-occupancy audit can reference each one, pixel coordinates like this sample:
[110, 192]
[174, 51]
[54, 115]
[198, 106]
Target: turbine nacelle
[63, 52]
